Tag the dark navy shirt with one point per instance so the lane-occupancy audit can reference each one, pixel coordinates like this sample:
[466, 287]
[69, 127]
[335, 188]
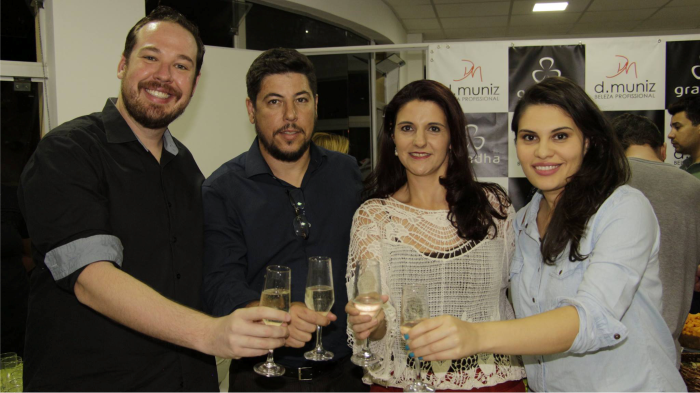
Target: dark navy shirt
[248, 225]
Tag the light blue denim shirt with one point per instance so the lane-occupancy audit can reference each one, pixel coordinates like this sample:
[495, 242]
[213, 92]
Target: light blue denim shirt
[623, 343]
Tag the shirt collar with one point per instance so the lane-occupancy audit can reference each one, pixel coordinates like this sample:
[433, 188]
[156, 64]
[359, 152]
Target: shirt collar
[118, 130]
[255, 164]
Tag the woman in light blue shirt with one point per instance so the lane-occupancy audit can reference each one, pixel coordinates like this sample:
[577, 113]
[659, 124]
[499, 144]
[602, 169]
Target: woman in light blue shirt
[585, 276]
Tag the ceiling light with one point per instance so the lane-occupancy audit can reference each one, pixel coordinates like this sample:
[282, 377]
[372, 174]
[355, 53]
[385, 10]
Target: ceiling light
[539, 7]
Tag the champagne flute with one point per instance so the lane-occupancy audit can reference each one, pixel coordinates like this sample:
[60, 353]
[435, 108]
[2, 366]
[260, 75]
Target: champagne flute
[367, 297]
[414, 309]
[278, 281]
[319, 297]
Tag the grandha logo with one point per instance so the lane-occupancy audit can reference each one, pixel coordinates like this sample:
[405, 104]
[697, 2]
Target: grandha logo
[545, 73]
[481, 158]
[542, 74]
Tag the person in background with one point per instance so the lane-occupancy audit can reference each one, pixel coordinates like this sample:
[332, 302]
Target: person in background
[251, 204]
[113, 206]
[331, 142]
[685, 132]
[664, 185]
[428, 221]
[585, 276]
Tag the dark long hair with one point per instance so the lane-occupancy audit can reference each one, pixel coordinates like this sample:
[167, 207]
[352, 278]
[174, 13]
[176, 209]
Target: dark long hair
[604, 167]
[471, 213]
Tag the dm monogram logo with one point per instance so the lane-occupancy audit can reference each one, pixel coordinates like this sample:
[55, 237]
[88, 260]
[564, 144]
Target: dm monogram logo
[473, 91]
[624, 88]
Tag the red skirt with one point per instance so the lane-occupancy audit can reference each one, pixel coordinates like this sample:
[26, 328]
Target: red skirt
[510, 386]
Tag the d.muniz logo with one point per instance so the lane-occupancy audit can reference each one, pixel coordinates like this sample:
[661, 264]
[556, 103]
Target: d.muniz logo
[680, 91]
[615, 89]
[478, 92]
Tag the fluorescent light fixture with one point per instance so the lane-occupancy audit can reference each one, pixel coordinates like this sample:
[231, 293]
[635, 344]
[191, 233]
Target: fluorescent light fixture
[540, 7]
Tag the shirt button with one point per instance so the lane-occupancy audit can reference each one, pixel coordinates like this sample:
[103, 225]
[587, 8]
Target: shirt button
[526, 225]
[173, 239]
[170, 204]
[539, 361]
[617, 336]
[560, 272]
[178, 276]
[533, 299]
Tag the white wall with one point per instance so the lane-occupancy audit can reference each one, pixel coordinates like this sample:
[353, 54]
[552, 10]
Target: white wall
[215, 126]
[86, 39]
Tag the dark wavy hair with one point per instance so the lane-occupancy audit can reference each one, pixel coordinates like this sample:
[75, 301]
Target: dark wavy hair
[604, 167]
[163, 13]
[690, 105]
[278, 61]
[471, 212]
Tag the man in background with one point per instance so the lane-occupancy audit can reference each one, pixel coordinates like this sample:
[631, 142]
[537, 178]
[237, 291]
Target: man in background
[685, 132]
[113, 206]
[675, 197]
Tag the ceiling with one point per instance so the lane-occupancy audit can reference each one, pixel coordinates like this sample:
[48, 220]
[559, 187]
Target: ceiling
[464, 20]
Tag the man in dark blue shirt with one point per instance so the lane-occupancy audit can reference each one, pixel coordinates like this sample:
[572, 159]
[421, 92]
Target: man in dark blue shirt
[251, 222]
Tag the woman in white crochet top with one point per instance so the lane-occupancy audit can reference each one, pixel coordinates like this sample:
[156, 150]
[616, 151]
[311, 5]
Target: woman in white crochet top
[428, 221]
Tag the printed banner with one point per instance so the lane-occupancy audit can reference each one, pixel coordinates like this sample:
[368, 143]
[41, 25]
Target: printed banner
[626, 75]
[476, 74]
[528, 65]
[682, 70]
[639, 75]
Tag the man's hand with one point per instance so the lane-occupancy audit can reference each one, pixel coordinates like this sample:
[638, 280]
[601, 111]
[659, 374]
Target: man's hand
[366, 325]
[242, 333]
[304, 322]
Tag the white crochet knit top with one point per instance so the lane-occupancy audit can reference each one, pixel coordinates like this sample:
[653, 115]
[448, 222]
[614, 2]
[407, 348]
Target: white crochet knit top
[465, 279]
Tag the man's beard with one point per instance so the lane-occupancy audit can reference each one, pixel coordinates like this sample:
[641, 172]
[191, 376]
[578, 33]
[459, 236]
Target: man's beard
[151, 116]
[275, 151]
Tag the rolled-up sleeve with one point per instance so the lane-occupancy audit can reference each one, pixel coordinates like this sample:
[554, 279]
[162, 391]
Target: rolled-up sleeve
[623, 241]
[225, 287]
[65, 204]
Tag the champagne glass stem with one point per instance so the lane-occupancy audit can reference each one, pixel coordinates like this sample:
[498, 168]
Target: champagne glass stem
[365, 346]
[318, 338]
[419, 376]
[270, 360]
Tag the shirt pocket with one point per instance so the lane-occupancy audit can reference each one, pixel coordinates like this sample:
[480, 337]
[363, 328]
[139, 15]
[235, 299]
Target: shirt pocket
[516, 267]
[565, 278]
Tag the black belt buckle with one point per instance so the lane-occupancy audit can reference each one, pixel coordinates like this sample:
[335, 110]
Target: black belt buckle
[305, 373]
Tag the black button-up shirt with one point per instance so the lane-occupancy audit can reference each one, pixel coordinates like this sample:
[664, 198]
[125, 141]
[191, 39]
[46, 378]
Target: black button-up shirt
[92, 192]
[248, 226]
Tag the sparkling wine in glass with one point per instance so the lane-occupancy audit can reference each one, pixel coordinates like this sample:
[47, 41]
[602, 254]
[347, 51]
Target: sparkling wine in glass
[278, 281]
[319, 297]
[414, 309]
[367, 298]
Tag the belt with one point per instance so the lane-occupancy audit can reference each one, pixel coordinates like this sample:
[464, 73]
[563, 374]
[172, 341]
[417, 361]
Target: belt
[309, 373]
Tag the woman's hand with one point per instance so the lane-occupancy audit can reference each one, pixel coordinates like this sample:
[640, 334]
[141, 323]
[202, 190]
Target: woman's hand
[366, 325]
[443, 338]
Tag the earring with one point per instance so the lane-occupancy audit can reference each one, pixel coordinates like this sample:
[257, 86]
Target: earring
[396, 152]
